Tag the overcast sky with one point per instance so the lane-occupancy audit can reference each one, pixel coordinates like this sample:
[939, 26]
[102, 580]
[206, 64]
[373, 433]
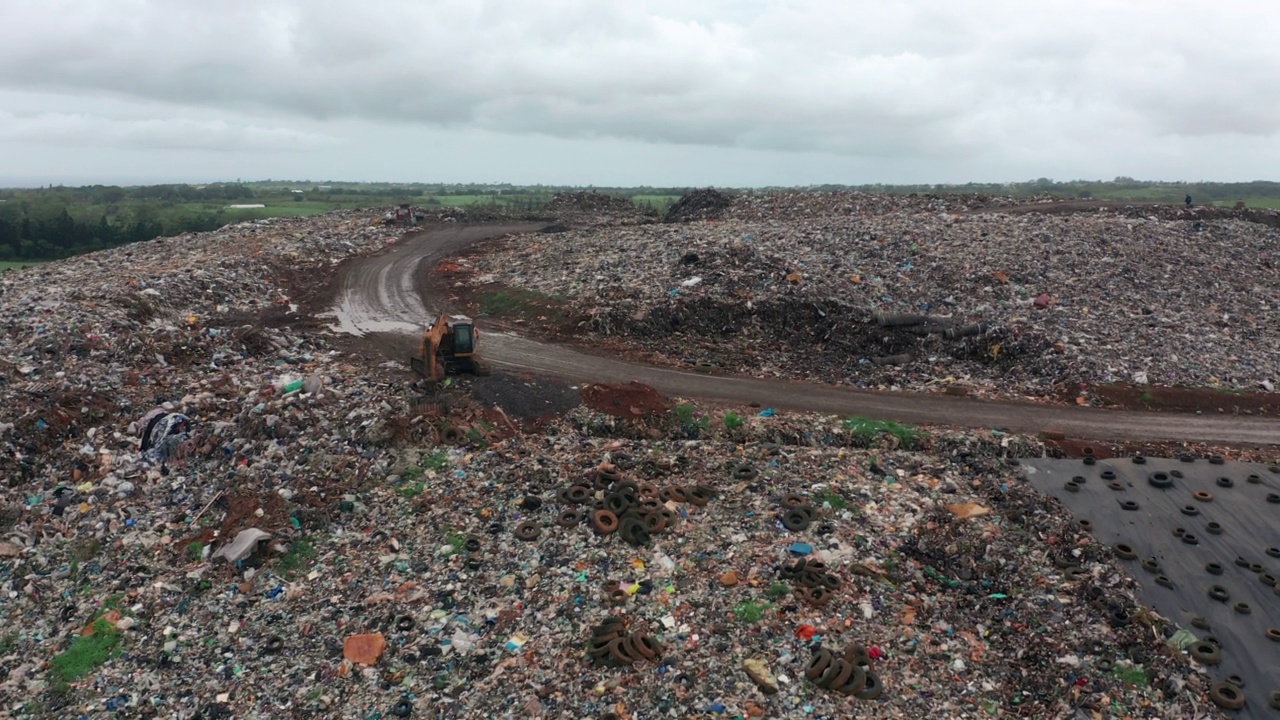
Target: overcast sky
[631, 92]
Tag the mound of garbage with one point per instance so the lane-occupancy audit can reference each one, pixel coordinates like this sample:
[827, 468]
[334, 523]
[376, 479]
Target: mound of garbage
[705, 204]
[594, 208]
[918, 292]
[212, 509]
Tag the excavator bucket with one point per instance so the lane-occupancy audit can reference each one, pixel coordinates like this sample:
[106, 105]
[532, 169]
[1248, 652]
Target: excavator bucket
[419, 365]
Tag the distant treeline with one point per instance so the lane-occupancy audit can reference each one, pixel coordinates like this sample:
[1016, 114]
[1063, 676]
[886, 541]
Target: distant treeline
[60, 222]
[56, 222]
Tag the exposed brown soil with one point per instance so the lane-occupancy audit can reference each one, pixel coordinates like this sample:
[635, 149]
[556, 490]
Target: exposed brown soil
[1181, 399]
[632, 401]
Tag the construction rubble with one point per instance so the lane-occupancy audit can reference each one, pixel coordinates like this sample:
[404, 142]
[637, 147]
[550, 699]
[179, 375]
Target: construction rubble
[213, 508]
[921, 293]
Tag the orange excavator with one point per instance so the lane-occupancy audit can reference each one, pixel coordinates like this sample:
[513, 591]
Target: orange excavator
[448, 347]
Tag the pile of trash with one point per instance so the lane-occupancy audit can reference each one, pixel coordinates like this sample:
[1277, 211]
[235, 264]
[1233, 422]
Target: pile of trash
[209, 509]
[585, 209]
[705, 204]
[401, 581]
[918, 292]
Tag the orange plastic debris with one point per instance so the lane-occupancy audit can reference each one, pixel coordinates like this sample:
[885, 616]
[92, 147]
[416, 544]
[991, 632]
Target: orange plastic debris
[364, 649]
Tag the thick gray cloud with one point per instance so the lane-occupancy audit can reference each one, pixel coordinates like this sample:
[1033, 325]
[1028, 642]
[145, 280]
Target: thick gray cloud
[897, 89]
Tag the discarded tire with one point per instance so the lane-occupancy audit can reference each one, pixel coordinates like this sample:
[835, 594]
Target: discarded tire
[1219, 593]
[858, 655]
[1225, 482]
[796, 520]
[604, 521]
[1213, 528]
[1205, 653]
[569, 518]
[1124, 552]
[1226, 696]
[633, 531]
[527, 530]
[744, 472]
[1213, 568]
[1190, 510]
[1128, 505]
[818, 664]
[1160, 480]
[872, 688]
[700, 495]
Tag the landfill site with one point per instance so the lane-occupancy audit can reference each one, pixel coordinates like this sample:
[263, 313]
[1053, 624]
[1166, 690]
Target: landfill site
[776, 455]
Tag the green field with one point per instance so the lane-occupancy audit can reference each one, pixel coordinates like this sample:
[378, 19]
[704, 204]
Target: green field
[15, 265]
[304, 208]
[659, 200]
[1266, 203]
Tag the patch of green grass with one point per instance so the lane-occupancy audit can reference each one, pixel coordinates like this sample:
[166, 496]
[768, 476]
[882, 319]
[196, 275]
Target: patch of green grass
[862, 427]
[1268, 203]
[457, 541]
[8, 642]
[778, 590]
[300, 553]
[688, 415]
[1145, 396]
[17, 264]
[196, 550]
[1131, 674]
[86, 653]
[437, 461]
[835, 500]
[733, 420]
[512, 301]
[411, 491]
[751, 612]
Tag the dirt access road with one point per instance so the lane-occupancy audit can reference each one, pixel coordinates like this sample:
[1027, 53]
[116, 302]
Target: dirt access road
[381, 295]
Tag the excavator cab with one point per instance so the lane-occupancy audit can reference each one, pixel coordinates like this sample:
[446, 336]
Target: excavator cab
[448, 347]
